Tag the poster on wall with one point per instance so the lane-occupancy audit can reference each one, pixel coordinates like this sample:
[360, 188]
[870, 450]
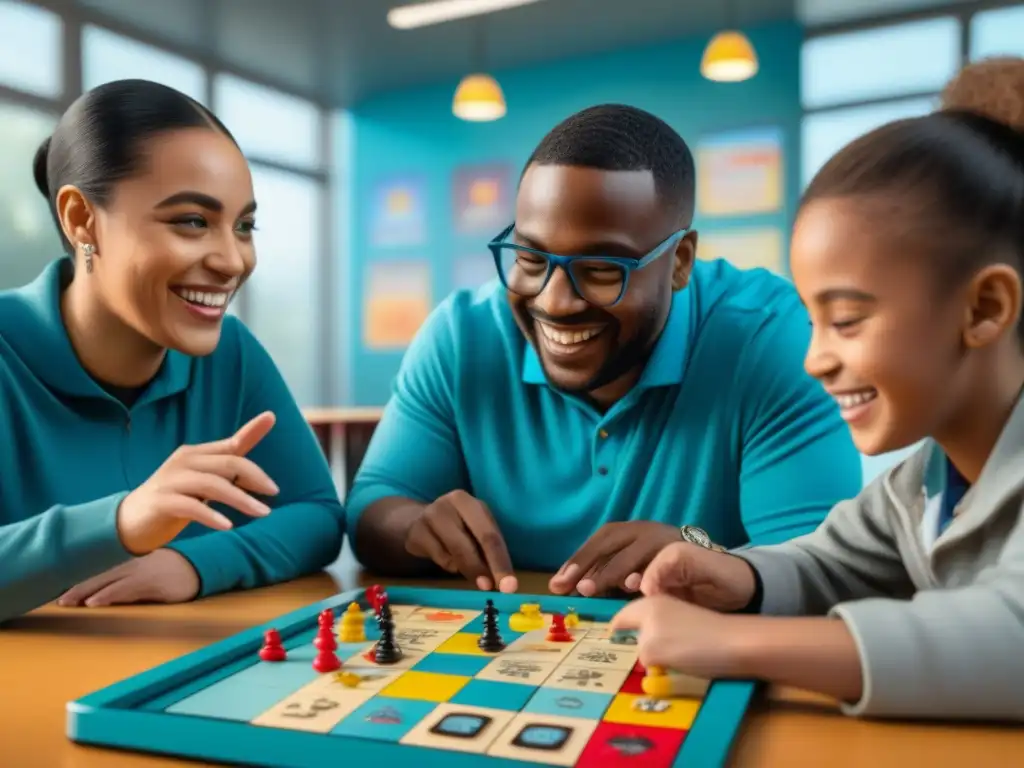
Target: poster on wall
[399, 212]
[397, 300]
[740, 173]
[482, 199]
[745, 248]
[473, 270]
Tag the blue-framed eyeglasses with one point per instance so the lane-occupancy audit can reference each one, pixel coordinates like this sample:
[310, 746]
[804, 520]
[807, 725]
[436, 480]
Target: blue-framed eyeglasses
[599, 280]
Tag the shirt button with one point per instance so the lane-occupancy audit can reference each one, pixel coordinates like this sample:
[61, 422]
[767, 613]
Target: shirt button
[602, 434]
[602, 470]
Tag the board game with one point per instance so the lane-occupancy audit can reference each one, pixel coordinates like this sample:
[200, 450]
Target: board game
[426, 678]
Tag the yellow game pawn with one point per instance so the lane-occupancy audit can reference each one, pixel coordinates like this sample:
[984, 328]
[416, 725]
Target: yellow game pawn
[351, 628]
[528, 619]
[656, 683]
[572, 619]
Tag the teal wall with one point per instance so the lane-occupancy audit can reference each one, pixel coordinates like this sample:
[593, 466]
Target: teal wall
[413, 133]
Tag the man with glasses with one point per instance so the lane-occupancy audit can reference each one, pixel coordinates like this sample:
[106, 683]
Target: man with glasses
[607, 395]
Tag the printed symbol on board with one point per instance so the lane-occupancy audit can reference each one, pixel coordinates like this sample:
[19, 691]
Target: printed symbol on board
[651, 705]
[297, 709]
[520, 669]
[546, 737]
[460, 725]
[630, 745]
[385, 716]
[569, 702]
[444, 616]
[598, 656]
[583, 678]
[415, 637]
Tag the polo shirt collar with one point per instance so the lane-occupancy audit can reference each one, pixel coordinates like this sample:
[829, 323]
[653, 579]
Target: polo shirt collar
[42, 342]
[667, 362]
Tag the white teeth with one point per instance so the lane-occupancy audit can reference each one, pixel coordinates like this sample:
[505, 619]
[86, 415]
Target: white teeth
[853, 399]
[568, 338]
[207, 299]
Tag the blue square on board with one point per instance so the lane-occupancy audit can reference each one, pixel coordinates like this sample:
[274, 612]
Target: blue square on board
[384, 718]
[555, 701]
[493, 694]
[452, 664]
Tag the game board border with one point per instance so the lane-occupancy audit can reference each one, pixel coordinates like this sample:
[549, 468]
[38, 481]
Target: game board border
[109, 717]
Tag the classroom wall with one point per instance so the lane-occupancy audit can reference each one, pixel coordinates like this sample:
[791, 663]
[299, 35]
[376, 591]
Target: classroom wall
[413, 134]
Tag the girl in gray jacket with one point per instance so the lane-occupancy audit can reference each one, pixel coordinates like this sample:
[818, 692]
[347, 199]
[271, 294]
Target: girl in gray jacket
[908, 601]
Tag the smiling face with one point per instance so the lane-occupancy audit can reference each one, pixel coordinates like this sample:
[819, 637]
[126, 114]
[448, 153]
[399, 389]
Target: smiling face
[887, 342]
[175, 242]
[576, 211]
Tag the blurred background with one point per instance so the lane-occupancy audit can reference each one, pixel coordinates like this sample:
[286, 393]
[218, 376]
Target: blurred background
[386, 144]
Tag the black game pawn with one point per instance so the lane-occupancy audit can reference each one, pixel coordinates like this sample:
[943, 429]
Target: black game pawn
[490, 640]
[386, 651]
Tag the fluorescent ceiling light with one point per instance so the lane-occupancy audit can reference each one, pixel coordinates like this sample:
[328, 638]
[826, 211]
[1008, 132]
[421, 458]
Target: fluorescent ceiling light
[438, 11]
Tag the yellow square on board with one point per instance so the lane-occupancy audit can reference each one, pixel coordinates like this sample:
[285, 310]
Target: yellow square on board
[425, 686]
[463, 643]
[680, 713]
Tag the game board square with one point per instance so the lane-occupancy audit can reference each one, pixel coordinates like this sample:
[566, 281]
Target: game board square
[317, 707]
[459, 728]
[360, 661]
[421, 638]
[451, 618]
[463, 643]
[678, 713]
[489, 693]
[617, 745]
[547, 739]
[453, 664]
[602, 656]
[384, 719]
[565, 703]
[425, 686]
[599, 680]
[511, 669]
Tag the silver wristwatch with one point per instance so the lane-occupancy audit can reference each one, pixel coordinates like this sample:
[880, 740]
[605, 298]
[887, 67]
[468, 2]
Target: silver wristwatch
[698, 536]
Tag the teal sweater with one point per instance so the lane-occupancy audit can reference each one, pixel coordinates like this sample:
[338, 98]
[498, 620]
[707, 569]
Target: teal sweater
[70, 452]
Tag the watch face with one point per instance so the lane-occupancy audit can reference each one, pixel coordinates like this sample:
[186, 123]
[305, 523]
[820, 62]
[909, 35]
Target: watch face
[696, 536]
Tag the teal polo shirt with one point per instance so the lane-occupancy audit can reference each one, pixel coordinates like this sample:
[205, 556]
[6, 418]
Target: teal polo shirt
[71, 452]
[725, 430]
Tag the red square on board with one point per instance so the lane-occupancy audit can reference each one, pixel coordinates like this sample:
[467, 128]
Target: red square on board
[616, 745]
[632, 683]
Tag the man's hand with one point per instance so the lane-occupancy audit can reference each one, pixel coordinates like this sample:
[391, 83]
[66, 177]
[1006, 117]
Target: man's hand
[614, 557]
[162, 576]
[686, 638]
[459, 533]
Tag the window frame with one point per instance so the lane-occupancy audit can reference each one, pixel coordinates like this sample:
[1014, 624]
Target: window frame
[76, 17]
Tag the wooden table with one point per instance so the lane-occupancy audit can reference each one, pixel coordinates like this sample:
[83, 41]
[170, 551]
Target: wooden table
[344, 434]
[55, 655]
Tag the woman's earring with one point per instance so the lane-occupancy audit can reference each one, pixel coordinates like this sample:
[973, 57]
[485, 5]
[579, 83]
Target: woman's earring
[88, 249]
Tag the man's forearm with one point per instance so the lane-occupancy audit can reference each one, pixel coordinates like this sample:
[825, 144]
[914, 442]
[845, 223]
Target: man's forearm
[380, 539]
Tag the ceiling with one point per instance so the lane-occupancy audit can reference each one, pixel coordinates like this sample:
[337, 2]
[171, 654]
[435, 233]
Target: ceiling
[341, 51]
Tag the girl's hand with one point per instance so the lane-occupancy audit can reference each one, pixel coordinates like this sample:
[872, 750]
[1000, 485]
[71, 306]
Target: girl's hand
[684, 637]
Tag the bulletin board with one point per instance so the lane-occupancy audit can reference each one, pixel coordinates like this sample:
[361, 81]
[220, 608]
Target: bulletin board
[740, 173]
[397, 302]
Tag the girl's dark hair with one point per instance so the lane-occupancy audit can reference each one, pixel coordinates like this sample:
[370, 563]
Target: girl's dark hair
[99, 140]
[954, 178]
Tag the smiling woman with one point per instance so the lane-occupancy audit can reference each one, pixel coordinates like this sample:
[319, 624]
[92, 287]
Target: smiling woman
[120, 364]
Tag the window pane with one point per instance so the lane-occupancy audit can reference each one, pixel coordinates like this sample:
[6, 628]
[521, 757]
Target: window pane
[269, 124]
[825, 133]
[916, 57]
[32, 49]
[998, 32]
[28, 237]
[283, 307]
[107, 56]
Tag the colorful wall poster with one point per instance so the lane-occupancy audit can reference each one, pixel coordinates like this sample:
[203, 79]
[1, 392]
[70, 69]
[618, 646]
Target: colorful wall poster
[399, 212]
[397, 300]
[745, 248]
[482, 202]
[740, 173]
[473, 270]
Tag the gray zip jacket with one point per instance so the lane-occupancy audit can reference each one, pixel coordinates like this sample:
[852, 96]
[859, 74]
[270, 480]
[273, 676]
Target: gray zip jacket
[939, 626]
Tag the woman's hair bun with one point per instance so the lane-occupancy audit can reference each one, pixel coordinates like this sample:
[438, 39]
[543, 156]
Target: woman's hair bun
[39, 168]
[992, 88]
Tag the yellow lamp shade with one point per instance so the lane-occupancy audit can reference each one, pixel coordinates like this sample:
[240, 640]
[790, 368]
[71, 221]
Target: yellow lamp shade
[729, 58]
[479, 99]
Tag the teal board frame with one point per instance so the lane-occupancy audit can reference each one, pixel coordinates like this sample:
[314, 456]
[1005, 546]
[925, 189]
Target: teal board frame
[128, 715]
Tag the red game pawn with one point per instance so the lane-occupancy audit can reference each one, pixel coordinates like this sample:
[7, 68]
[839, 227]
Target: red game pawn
[558, 633]
[373, 596]
[324, 639]
[273, 649]
[326, 661]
